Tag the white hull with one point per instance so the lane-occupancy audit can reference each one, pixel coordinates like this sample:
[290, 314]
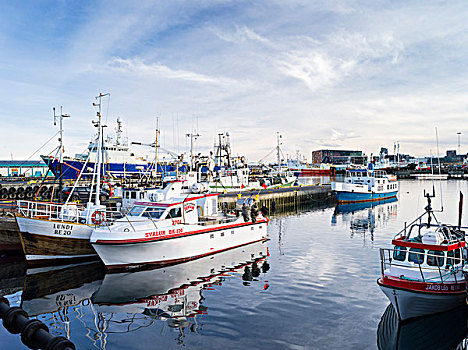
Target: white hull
[54, 229]
[409, 304]
[119, 254]
[45, 241]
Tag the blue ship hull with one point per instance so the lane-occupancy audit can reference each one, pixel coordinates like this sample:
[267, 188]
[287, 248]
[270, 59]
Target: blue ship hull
[72, 168]
[350, 197]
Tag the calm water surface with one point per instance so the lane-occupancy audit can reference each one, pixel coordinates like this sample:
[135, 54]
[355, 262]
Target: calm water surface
[311, 286]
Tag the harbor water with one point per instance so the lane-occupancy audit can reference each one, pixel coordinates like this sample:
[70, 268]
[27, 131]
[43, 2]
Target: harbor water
[312, 285]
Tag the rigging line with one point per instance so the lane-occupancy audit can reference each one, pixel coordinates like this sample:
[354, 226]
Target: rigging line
[41, 148]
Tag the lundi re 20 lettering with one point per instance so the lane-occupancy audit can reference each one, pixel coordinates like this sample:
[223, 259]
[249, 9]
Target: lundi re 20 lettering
[63, 229]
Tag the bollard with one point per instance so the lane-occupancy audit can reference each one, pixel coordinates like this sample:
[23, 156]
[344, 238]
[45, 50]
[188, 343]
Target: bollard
[34, 333]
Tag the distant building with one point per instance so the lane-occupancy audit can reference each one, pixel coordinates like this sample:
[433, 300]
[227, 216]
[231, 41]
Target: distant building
[23, 168]
[338, 157]
[451, 154]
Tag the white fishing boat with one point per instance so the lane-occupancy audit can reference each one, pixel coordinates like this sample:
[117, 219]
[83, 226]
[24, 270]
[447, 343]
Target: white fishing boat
[177, 229]
[57, 233]
[422, 274]
[363, 185]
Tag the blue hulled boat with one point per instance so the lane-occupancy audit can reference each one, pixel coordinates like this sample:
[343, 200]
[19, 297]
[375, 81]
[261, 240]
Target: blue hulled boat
[365, 185]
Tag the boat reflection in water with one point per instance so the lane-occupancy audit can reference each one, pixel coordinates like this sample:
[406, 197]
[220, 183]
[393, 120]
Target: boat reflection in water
[88, 306]
[174, 293]
[54, 289]
[12, 272]
[447, 330]
[364, 217]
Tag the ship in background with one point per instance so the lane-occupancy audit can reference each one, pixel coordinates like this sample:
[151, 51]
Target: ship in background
[118, 160]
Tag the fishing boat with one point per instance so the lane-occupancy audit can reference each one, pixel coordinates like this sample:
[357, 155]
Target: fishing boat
[177, 229]
[303, 169]
[117, 160]
[57, 233]
[423, 273]
[363, 185]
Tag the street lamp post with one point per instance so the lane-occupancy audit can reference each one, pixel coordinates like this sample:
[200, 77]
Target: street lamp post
[459, 152]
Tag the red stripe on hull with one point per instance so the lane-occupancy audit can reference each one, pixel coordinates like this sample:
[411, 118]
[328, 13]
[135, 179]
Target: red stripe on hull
[155, 264]
[165, 237]
[422, 287]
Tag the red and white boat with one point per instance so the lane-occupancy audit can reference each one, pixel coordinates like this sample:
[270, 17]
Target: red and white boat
[177, 229]
[423, 273]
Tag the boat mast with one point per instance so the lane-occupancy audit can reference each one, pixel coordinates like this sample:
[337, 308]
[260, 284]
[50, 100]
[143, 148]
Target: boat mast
[156, 145]
[278, 152]
[61, 116]
[192, 137]
[99, 146]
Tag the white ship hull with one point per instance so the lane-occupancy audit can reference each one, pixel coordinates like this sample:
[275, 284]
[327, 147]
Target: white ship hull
[132, 249]
[46, 241]
[410, 304]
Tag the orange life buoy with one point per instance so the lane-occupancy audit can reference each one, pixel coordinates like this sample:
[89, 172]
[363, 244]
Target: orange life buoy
[97, 217]
[229, 172]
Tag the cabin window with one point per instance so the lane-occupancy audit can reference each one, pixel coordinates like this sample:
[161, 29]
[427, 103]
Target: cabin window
[127, 195]
[399, 253]
[453, 257]
[142, 195]
[133, 195]
[435, 258]
[175, 213]
[416, 255]
[154, 213]
[222, 234]
[136, 210]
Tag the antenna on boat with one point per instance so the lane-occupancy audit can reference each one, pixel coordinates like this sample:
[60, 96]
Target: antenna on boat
[440, 180]
[60, 117]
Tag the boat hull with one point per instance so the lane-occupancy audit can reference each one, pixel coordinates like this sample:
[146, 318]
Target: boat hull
[412, 303]
[52, 242]
[167, 251]
[9, 238]
[352, 197]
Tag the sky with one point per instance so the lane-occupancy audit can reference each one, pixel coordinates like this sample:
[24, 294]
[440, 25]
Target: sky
[325, 74]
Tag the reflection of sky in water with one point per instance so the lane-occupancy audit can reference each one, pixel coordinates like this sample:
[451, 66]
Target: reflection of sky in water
[319, 293]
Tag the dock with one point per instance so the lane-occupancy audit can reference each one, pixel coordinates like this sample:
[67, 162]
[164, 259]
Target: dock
[279, 199]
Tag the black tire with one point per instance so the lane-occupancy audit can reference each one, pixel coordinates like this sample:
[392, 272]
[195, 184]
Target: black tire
[102, 197]
[12, 190]
[75, 198]
[4, 196]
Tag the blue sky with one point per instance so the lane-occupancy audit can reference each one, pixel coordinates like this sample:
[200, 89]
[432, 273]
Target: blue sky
[326, 74]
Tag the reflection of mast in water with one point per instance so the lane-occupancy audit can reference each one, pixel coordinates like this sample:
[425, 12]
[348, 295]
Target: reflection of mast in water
[280, 236]
[54, 293]
[365, 217]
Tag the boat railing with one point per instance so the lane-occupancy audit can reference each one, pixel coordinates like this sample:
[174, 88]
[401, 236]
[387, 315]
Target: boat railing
[419, 224]
[62, 212]
[445, 271]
